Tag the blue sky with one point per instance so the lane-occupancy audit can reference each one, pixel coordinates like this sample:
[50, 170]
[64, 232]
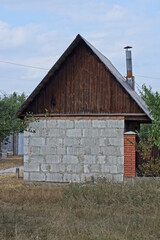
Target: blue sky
[37, 32]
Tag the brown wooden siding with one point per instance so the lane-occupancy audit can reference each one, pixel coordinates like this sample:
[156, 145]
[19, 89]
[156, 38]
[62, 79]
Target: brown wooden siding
[83, 85]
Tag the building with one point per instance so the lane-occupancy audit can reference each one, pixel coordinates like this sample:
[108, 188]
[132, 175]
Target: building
[85, 107]
[13, 145]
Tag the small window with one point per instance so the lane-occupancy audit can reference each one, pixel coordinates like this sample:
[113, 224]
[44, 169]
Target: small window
[53, 102]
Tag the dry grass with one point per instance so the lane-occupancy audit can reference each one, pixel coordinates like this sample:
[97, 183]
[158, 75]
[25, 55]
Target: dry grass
[81, 212]
[12, 161]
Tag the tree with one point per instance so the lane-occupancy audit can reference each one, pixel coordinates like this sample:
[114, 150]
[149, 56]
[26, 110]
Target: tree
[153, 102]
[9, 104]
[149, 134]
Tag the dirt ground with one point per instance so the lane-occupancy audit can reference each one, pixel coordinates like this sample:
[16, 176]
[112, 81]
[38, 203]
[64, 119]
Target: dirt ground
[11, 161]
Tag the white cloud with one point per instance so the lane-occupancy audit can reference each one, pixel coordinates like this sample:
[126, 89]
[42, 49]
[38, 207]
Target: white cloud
[106, 25]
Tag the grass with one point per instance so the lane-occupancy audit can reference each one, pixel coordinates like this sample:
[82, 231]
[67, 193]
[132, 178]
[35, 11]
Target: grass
[81, 212]
[12, 161]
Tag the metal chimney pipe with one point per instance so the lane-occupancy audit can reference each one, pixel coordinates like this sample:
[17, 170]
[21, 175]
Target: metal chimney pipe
[129, 77]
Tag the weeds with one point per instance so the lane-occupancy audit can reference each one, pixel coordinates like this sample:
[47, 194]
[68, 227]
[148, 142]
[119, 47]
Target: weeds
[93, 211]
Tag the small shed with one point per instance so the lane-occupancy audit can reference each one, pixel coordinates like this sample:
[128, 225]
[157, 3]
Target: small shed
[89, 107]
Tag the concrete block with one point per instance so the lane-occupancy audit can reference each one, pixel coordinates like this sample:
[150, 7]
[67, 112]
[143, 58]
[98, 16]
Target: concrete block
[40, 132]
[88, 177]
[113, 169]
[89, 141]
[98, 124]
[74, 168]
[105, 168]
[120, 168]
[87, 168]
[48, 150]
[61, 150]
[53, 159]
[26, 176]
[26, 150]
[45, 167]
[115, 124]
[107, 133]
[36, 159]
[103, 141]
[54, 177]
[115, 151]
[26, 141]
[38, 124]
[107, 176]
[75, 151]
[116, 141]
[83, 177]
[70, 159]
[37, 141]
[108, 150]
[119, 133]
[26, 158]
[111, 160]
[34, 151]
[69, 142]
[118, 178]
[101, 159]
[57, 168]
[95, 150]
[114, 133]
[88, 159]
[95, 168]
[28, 134]
[51, 123]
[65, 124]
[60, 133]
[75, 178]
[91, 133]
[120, 160]
[82, 124]
[73, 133]
[87, 150]
[37, 176]
[118, 151]
[67, 177]
[120, 124]
[54, 141]
[31, 167]
[121, 149]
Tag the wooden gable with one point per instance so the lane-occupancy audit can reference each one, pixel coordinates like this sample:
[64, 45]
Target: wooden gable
[82, 85]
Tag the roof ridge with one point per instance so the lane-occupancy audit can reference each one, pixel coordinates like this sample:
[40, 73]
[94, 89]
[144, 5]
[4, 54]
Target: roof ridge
[108, 64]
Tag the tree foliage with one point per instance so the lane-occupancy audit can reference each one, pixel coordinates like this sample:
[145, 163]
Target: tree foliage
[151, 131]
[152, 100]
[9, 104]
[149, 134]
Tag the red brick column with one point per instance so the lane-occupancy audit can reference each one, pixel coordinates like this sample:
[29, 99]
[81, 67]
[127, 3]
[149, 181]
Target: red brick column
[129, 154]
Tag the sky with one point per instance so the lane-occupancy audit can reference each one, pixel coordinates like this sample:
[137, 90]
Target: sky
[37, 32]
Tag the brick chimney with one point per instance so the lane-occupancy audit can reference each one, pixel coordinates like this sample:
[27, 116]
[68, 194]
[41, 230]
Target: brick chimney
[129, 77]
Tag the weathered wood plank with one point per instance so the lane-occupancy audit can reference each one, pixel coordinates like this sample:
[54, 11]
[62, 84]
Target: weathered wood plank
[83, 85]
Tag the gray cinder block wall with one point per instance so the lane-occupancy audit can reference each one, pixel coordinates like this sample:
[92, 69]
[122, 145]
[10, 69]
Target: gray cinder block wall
[74, 150]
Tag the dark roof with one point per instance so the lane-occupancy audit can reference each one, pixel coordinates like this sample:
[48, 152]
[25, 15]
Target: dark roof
[107, 64]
